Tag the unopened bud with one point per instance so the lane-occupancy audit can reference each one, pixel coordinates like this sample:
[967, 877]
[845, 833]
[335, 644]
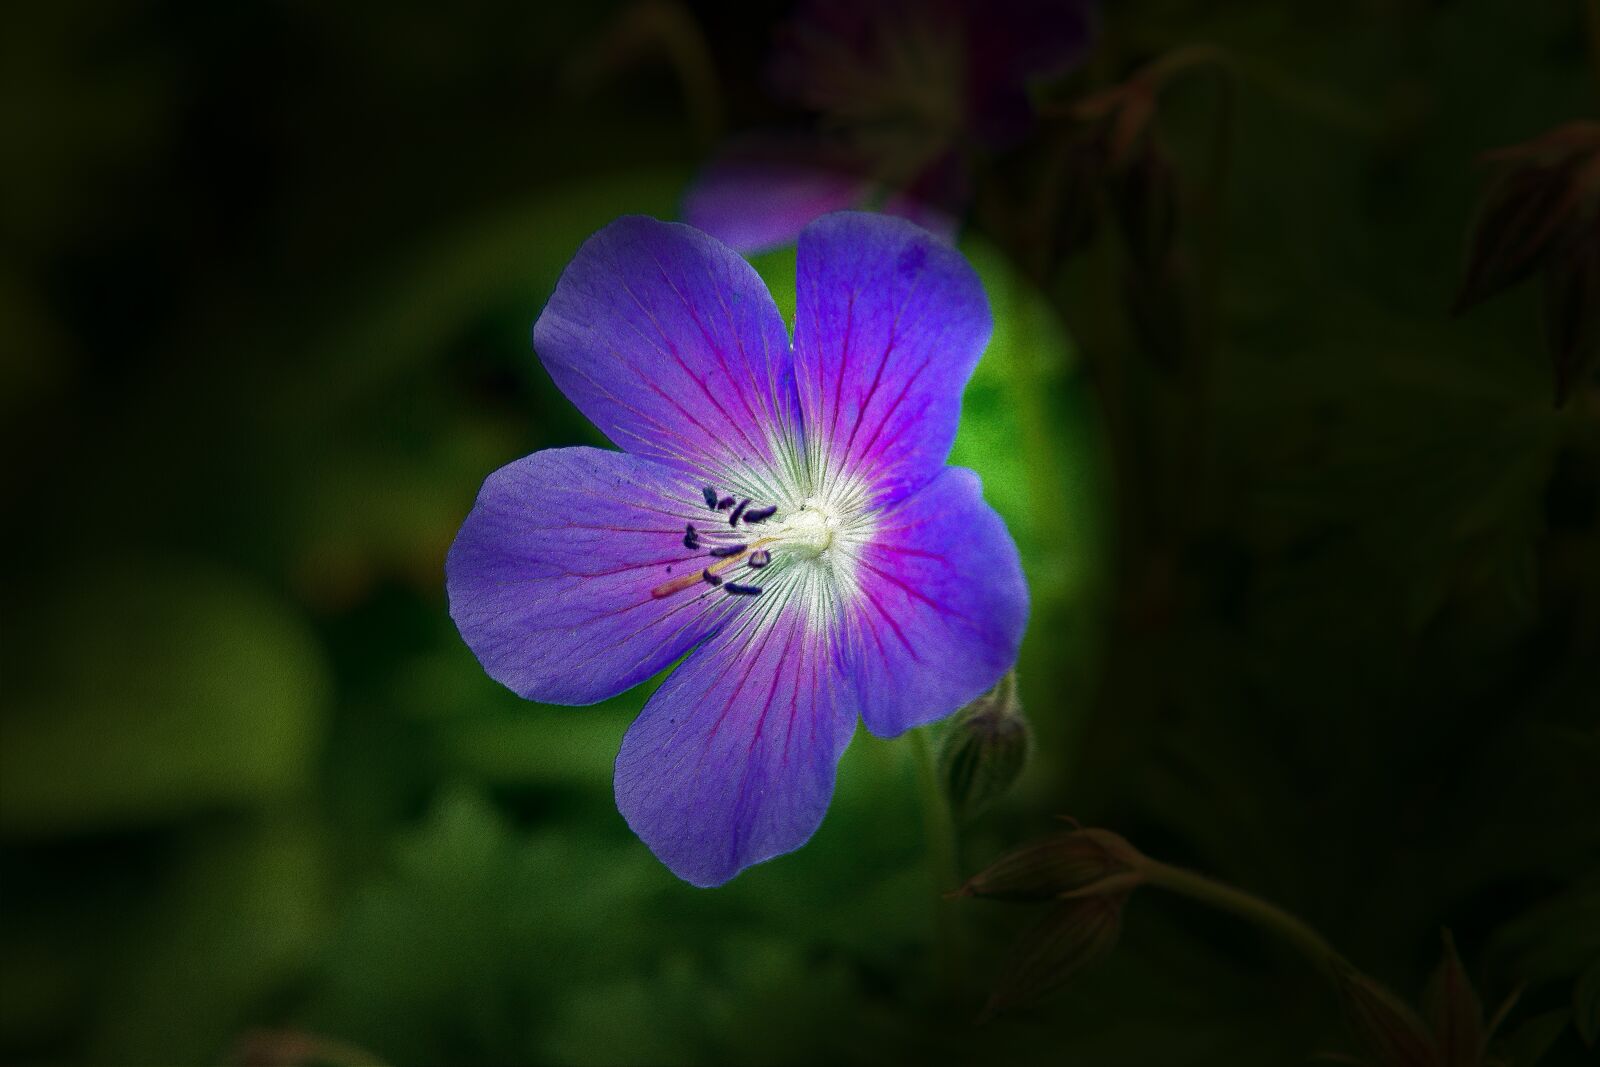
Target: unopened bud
[984, 750]
[1073, 863]
[1453, 1009]
[1071, 936]
[1388, 1030]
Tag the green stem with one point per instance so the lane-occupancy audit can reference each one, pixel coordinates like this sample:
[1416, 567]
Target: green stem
[943, 870]
[1252, 908]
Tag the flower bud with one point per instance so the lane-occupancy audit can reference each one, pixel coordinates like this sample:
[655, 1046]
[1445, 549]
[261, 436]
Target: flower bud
[1388, 1030]
[1454, 1011]
[984, 750]
[1540, 218]
[1071, 936]
[1075, 863]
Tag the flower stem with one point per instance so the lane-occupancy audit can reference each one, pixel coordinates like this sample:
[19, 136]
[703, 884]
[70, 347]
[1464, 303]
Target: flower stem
[943, 872]
[1247, 906]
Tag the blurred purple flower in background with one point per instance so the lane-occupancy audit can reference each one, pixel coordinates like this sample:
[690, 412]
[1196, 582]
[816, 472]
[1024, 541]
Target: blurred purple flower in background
[904, 91]
[781, 517]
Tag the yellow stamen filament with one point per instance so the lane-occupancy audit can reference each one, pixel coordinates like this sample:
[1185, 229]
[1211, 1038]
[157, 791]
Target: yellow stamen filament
[685, 581]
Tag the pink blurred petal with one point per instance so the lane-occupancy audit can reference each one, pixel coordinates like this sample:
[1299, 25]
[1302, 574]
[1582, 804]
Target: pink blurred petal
[754, 201]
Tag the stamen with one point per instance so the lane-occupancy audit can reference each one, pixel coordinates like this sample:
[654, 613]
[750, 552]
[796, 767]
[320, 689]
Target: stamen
[691, 539]
[711, 497]
[756, 515]
[742, 590]
[725, 503]
[727, 550]
[760, 558]
[709, 575]
[733, 520]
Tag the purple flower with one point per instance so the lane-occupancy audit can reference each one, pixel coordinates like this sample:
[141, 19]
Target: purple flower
[903, 91]
[781, 517]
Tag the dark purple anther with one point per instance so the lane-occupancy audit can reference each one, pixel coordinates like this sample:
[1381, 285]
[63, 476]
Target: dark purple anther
[710, 578]
[760, 558]
[759, 514]
[742, 590]
[725, 503]
[711, 497]
[727, 550]
[690, 538]
[733, 520]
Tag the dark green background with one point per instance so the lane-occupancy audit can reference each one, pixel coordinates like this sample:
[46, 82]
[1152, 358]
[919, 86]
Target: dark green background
[1315, 613]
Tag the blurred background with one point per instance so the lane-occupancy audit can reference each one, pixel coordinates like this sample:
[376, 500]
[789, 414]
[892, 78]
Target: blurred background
[1291, 407]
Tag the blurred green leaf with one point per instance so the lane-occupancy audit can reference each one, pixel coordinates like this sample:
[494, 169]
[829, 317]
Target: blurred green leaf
[415, 304]
[458, 950]
[1036, 449]
[1556, 939]
[41, 984]
[1529, 1043]
[152, 690]
[234, 924]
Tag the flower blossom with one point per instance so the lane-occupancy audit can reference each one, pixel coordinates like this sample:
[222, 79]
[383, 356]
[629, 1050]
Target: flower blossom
[780, 518]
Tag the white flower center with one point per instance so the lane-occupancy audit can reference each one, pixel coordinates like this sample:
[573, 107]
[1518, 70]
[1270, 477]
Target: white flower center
[808, 532]
[774, 538]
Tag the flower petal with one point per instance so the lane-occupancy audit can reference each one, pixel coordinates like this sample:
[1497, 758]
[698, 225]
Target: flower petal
[733, 760]
[761, 197]
[890, 323]
[940, 606]
[551, 577]
[671, 344]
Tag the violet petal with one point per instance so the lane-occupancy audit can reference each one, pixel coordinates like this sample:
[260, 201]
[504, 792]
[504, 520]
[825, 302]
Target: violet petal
[890, 323]
[941, 606]
[671, 344]
[733, 759]
[550, 578]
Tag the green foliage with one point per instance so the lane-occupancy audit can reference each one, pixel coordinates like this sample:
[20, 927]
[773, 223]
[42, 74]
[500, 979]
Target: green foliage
[233, 722]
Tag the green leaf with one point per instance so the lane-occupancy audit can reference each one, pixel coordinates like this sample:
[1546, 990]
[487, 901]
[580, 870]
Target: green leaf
[1528, 1043]
[153, 690]
[1026, 429]
[236, 921]
[417, 302]
[458, 950]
